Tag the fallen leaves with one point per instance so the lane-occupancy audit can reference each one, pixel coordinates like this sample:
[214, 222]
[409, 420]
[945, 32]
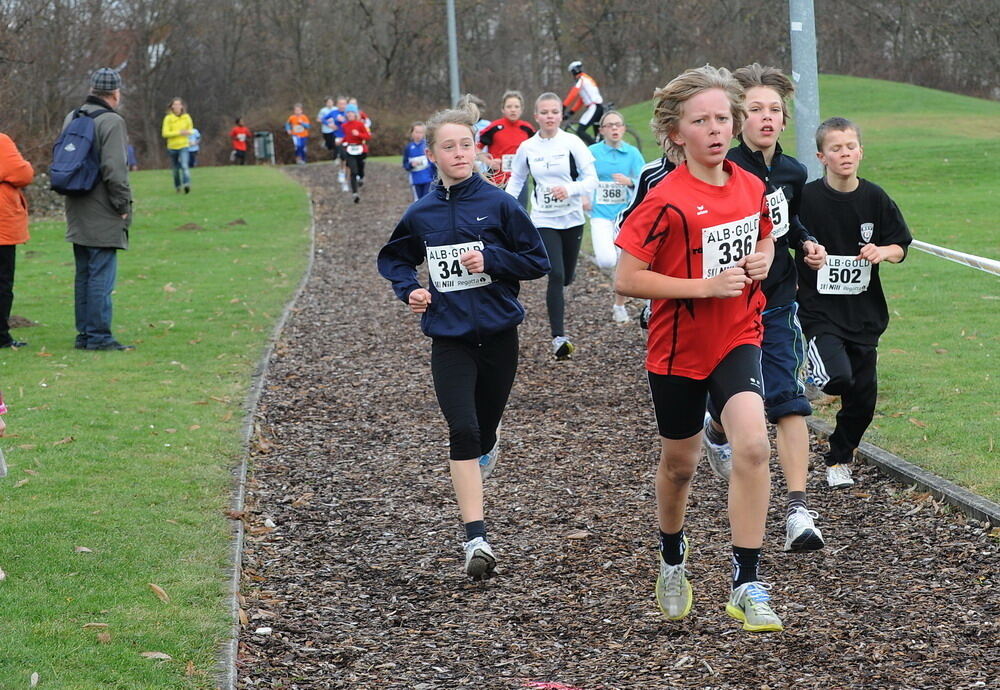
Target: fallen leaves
[156, 655]
[64, 441]
[160, 593]
[82, 549]
[916, 422]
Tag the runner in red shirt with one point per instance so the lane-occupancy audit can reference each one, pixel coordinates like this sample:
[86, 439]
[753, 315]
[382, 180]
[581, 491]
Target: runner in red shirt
[356, 136]
[698, 245]
[239, 136]
[502, 137]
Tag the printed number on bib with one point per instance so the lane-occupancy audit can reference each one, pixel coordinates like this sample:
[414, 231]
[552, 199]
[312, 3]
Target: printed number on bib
[778, 205]
[611, 193]
[418, 162]
[843, 275]
[447, 272]
[724, 245]
[545, 201]
[506, 161]
[355, 149]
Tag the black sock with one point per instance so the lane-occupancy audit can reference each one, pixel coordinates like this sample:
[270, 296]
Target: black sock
[716, 437]
[476, 528]
[745, 562]
[672, 547]
[794, 500]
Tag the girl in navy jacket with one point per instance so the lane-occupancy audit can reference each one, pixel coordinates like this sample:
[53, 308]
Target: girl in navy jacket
[416, 163]
[478, 243]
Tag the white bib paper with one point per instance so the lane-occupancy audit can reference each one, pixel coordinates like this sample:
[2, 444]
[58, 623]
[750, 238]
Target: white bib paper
[506, 161]
[355, 149]
[610, 193]
[447, 272]
[418, 163]
[778, 205]
[724, 245]
[843, 275]
[544, 201]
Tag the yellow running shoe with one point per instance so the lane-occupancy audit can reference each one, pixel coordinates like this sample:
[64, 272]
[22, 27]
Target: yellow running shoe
[750, 603]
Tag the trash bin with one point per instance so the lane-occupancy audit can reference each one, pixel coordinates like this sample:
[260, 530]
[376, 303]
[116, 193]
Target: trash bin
[263, 147]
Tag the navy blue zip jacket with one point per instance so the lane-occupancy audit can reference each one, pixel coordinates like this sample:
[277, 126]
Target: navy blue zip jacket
[472, 211]
[789, 175]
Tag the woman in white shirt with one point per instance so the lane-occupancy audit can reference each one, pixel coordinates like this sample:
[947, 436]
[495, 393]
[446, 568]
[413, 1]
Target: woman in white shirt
[562, 168]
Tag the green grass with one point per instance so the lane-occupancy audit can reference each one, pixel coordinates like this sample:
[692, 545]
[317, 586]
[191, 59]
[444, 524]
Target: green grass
[938, 156]
[129, 453]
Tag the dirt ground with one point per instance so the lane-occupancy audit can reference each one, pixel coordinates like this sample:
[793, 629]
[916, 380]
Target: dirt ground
[360, 578]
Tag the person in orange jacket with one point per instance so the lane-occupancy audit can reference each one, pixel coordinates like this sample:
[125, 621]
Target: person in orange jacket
[15, 173]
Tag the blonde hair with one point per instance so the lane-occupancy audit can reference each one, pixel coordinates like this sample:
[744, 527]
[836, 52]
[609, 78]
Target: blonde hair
[547, 96]
[466, 116]
[471, 99]
[668, 104]
[507, 95]
[771, 77]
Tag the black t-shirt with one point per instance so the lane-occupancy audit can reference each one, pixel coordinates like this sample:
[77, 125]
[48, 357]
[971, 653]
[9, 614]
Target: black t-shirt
[843, 222]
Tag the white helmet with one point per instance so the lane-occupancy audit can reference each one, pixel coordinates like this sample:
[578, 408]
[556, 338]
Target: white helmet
[576, 67]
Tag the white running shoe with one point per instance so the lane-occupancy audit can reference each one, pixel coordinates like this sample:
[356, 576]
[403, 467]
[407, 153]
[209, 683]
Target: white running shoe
[720, 457]
[750, 603]
[619, 313]
[674, 595]
[480, 563]
[344, 187]
[562, 348]
[839, 476]
[488, 462]
[801, 533]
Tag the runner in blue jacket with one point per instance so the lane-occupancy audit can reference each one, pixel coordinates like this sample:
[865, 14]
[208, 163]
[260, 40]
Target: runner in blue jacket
[416, 163]
[479, 244]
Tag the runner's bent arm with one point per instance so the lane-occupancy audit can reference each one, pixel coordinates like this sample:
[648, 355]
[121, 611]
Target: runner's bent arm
[633, 278]
[399, 258]
[524, 258]
[518, 173]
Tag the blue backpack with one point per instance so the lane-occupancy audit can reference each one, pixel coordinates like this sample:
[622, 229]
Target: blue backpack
[76, 167]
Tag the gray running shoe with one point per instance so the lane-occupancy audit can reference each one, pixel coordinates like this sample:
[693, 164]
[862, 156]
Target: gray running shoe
[801, 533]
[480, 563]
[839, 476]
[750, 603]
[562, 348]
[720, 457]
[489, 461]
[674, 595]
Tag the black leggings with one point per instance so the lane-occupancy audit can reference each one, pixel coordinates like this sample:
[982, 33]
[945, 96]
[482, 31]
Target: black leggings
[563, 247]
[472, 383]
[357, 166]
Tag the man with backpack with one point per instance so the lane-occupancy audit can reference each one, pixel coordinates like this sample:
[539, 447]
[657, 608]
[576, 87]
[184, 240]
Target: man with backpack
[90, 166]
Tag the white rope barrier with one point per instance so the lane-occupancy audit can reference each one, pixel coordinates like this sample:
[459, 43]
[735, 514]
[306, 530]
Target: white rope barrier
[983, 264]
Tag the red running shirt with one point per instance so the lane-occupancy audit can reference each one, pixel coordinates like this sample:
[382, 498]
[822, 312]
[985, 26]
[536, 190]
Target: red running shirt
[502, 137]
[689, 337]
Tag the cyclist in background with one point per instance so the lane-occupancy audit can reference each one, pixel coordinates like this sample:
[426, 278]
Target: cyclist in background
[586, 94]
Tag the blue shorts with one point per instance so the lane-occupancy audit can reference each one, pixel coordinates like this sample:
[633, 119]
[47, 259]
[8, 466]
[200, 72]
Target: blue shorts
[782, 359]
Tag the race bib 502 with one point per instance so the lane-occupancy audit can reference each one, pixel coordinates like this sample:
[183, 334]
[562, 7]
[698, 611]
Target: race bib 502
[843, 275]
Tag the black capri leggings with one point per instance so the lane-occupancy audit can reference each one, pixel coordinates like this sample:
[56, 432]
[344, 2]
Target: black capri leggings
[472, 383]
[563, 248]
[357, 167]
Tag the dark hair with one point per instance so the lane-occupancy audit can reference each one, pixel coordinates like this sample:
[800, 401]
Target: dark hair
[834, 124]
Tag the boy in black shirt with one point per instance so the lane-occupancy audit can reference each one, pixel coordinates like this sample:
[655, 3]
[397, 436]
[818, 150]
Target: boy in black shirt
[842, 307]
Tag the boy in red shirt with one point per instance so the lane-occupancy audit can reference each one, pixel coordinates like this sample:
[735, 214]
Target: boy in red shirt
[239, 136]
[699, 246]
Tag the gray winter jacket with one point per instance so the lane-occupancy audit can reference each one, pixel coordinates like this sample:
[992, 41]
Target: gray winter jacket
[95, 219]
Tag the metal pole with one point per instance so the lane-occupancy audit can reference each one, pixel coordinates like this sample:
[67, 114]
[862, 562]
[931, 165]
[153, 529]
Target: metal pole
[453, 52]
[806, 78]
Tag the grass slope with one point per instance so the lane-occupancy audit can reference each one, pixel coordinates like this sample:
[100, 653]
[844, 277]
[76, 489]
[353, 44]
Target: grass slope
[129, 454]
[938, 156]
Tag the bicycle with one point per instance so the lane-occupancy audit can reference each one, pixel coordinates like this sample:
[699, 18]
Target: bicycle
[631, 135]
